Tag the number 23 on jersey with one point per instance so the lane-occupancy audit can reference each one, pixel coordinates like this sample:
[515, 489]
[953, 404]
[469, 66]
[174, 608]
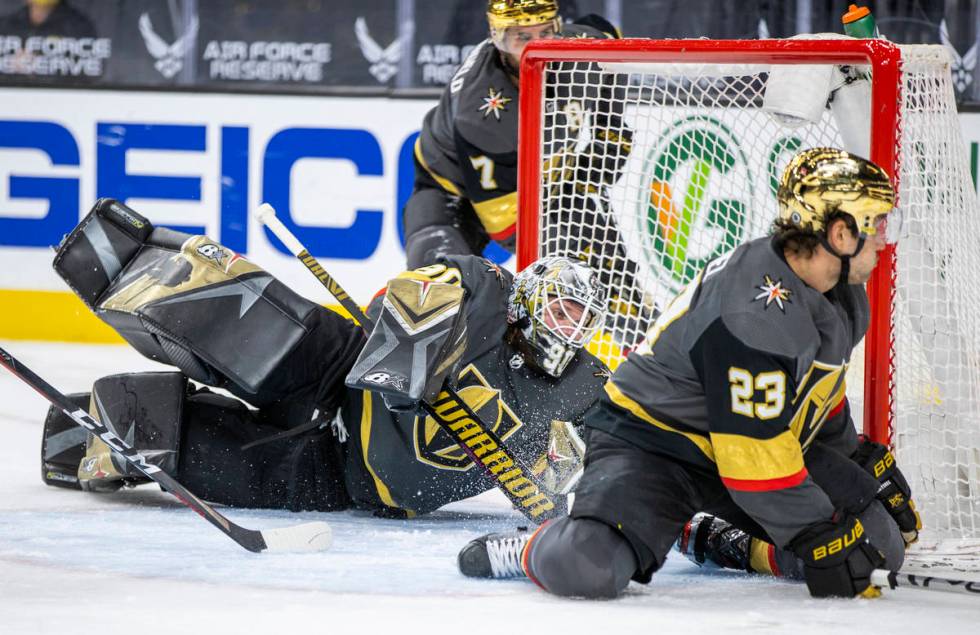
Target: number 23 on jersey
[744, 386]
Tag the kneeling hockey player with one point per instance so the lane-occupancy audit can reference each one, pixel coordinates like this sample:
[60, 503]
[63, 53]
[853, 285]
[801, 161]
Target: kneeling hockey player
[309, 442]
[735, 405]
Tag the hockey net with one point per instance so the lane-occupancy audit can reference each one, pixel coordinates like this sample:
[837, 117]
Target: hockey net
[704, 149]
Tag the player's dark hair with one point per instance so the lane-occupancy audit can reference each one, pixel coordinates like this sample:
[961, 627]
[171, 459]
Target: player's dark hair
[803, 241]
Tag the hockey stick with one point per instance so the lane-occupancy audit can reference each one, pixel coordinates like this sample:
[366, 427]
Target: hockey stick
[314, 536]
[450, 412]
[902, 580]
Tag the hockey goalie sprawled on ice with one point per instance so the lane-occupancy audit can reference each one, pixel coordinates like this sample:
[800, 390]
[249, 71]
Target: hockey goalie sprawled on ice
[297, 436]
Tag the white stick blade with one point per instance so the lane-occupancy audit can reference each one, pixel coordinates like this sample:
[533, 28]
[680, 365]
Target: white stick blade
[316, 536]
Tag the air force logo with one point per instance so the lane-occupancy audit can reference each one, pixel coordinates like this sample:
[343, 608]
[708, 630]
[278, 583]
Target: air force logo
[169, 57]
[962, 66]
[384, 61]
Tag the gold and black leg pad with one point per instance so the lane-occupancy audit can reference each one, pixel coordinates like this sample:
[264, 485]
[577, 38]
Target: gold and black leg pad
[63, 445]
[144, 410]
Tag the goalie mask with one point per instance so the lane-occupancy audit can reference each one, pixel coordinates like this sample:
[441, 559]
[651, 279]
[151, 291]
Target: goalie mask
[558, 305]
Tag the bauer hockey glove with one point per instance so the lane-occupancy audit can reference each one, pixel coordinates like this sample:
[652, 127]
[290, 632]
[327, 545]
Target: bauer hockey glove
[838, 559]
[893, 490]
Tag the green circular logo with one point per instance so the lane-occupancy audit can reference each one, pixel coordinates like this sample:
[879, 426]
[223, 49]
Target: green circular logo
[698, 190]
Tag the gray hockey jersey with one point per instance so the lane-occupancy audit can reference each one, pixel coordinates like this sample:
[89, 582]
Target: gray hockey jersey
[468, 142]
[738, 377]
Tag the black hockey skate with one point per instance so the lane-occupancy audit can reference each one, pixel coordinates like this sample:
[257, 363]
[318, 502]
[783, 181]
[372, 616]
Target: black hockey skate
[707, 540]
[494, 555]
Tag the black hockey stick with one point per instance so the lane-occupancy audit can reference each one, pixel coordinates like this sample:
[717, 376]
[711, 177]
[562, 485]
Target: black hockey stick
[314, 536]
[450, 412]
[902, 580]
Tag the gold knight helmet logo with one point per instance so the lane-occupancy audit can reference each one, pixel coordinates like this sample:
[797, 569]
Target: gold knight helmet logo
[434, 447]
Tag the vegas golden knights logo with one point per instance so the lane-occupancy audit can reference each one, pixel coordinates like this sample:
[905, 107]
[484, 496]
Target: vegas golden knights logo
[434, 447]
[822, 388]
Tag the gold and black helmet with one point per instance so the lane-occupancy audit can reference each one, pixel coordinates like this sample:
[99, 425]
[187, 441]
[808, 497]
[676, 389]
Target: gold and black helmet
[820, 181]
[558, 305]
[503, 14]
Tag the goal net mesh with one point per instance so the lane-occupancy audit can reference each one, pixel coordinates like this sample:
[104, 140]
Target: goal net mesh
[651, 170]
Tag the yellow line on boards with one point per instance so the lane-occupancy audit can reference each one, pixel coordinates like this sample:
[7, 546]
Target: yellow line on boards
[58, 316]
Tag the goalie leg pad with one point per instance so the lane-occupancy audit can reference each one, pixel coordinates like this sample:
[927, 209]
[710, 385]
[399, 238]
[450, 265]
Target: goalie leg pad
[143, 409]
[186, 300]
[63, 445]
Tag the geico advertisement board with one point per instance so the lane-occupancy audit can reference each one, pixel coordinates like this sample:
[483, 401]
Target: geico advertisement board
[337, 170]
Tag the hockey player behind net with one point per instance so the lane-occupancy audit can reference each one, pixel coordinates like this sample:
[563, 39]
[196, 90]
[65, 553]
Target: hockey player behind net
[296, 437]
[735, 405]
[466, 156]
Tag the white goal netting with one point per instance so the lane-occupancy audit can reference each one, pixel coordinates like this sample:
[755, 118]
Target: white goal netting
[652, 169]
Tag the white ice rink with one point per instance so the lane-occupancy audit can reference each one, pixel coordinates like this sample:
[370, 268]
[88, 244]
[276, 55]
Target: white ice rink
[139, 562]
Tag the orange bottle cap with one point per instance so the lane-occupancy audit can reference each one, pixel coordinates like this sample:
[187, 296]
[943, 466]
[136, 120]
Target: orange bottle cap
[855, 13]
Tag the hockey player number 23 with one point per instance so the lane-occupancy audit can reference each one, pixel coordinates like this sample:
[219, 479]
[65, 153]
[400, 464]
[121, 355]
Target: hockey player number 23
[744, 387]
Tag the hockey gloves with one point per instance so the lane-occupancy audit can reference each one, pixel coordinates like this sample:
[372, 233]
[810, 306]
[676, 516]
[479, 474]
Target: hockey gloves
[418, 342]
[838, 559]
[893, 490]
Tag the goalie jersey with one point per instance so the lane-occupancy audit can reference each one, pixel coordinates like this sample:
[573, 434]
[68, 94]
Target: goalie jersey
[739, 376]
[468, 142]
[405, 463]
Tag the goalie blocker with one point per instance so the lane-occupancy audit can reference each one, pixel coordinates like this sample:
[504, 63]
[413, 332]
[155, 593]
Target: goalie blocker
[418, 341]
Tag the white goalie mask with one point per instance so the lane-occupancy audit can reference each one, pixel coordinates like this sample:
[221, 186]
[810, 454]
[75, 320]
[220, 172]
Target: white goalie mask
[558, 305]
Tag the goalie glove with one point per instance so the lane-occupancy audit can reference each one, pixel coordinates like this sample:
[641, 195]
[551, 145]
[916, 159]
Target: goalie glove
[838, 559]
[417, 343]
[893, 490]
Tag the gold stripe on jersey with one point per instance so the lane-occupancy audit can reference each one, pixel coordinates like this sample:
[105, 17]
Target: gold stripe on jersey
[821, 389]
[748, 459]
[366, 420]
[445, 183]
[624, 402]
[497, 214]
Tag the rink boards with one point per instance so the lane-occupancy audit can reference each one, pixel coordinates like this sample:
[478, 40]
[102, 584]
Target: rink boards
[339, 167]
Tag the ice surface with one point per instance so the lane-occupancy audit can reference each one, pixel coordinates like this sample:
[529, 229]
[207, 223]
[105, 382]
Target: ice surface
[139, 562]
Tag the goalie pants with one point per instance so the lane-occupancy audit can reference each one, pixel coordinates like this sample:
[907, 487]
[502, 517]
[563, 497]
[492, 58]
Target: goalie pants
[438, 223]
[301, 472]
[629, 509]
